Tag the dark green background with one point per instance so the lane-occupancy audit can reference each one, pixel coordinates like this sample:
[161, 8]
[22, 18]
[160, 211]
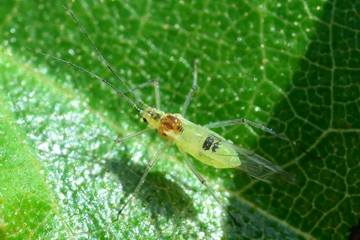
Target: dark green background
[292, 66]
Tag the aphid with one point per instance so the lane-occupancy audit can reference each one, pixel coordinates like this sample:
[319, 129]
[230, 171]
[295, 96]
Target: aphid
[198, 141]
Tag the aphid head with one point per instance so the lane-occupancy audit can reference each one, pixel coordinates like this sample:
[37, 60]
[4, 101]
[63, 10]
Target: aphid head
[152, 116]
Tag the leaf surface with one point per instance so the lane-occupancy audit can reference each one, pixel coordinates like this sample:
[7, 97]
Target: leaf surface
[293, 67]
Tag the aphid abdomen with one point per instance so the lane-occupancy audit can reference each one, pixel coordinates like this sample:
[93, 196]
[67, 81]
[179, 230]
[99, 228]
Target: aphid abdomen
[203, 144]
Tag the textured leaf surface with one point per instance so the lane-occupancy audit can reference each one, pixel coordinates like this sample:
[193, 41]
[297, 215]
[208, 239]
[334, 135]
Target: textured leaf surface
[293, 67]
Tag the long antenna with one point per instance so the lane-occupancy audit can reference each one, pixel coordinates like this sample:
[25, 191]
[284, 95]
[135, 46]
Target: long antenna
[93, 75]
[138, 100]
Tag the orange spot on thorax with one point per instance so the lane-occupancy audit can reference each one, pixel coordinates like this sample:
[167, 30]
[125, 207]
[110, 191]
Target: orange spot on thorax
[170, 124]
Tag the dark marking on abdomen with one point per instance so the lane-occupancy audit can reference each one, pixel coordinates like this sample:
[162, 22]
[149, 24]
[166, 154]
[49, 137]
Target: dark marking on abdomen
[210, 143]
[207, 143]
[215, 147]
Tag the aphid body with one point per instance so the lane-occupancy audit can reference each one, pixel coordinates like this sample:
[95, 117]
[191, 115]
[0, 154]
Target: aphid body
[200, 142]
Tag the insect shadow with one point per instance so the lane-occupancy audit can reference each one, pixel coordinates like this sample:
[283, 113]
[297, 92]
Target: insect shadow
[160, 195]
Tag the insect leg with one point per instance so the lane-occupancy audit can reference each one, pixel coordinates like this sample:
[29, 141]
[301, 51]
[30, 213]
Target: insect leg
[203, 182]
[191, 92]
[154, 82]
[123, 139]
[157, 94]
[266, 129]
[142, 180]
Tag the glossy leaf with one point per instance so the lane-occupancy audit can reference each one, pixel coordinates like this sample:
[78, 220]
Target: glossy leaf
[293, 67]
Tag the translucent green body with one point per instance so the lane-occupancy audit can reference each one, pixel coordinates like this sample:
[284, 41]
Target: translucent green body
[192, 139]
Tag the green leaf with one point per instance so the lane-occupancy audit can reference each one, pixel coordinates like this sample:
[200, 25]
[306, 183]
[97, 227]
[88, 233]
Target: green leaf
[293, 67]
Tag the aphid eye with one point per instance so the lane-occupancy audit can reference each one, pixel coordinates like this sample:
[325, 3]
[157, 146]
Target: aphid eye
[144, 119]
